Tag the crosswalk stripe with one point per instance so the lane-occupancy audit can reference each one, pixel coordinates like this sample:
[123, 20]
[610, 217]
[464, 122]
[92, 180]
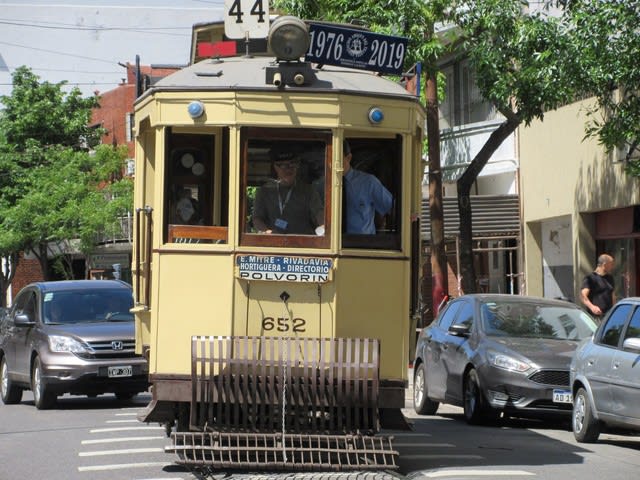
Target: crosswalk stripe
[120, 452]
[121, 466]
[475, 473]
[122, 429]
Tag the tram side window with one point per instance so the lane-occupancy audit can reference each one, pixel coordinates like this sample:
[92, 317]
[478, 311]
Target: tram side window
[285, 188]
[195, 209]
[372, 193]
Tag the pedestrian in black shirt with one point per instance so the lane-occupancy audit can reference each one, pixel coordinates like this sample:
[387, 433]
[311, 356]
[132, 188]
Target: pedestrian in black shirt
[597, 291]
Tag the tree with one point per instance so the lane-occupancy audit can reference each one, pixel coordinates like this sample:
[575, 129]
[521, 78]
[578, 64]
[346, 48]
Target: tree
[520, 64]
[605, 41]
[54, 189]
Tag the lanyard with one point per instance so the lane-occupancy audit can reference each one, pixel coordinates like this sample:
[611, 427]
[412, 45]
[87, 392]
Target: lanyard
[282, 204]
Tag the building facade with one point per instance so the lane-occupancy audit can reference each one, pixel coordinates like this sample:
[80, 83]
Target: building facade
[577, 202]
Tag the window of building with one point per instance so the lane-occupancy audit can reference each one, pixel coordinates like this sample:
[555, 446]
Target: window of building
[463, 103]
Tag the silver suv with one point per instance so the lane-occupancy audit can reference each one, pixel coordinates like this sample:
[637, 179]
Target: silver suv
[604, 375]
[73, 337]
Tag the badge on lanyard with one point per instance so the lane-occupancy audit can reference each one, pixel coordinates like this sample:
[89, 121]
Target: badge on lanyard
[281, 223]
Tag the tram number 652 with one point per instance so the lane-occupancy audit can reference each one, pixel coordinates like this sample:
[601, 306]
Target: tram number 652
[282, 324]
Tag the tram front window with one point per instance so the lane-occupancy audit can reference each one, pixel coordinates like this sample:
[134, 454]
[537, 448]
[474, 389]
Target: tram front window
[285, 188]
[371, 193]
[196, 206]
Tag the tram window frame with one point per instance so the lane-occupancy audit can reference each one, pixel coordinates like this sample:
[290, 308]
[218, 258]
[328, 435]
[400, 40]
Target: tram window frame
[256, 145]
[185, 151]
[382, 158]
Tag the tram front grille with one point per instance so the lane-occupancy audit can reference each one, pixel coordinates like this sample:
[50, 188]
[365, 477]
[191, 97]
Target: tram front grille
[283, 384]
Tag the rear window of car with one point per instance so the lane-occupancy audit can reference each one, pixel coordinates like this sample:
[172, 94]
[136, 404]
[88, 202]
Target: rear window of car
[80, 306]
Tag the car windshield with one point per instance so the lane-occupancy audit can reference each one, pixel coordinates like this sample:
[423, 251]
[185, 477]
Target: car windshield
[535, 320]
[81, 306]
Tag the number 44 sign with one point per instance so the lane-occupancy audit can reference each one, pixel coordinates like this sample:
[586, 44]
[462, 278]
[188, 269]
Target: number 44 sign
[246, 18]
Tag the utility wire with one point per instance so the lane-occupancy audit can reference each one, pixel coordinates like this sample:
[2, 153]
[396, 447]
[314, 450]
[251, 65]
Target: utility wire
[55, 52]
[97, 28]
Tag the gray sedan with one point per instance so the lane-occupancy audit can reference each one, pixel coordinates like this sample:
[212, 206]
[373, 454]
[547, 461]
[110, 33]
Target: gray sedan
[605, 375]
[74, 336]
[499, 353]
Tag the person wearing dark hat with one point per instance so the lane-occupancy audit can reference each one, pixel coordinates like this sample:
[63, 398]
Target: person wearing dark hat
[285, 205]
[365, 195]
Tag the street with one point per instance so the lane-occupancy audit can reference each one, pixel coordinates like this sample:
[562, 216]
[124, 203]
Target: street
[100, 438]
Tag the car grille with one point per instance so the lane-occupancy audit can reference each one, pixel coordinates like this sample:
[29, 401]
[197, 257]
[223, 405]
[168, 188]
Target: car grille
[551, 377]
[106, 350]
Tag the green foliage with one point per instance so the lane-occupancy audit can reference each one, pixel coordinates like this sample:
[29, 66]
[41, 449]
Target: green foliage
[68, 198]
[518, 56]
[605, 43]
[53, 189]
[43, 113]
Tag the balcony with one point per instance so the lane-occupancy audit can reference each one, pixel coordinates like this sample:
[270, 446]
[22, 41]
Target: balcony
[122, 232]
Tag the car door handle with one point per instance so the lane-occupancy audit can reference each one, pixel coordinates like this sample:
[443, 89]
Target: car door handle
[616, 364]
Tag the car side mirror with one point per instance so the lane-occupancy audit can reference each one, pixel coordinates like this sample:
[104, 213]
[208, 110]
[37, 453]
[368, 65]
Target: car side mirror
[632, 344]
[23, 320]
[460, 330]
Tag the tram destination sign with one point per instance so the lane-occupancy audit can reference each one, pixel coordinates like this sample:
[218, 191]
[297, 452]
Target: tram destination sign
[282, 268]
[353, 48]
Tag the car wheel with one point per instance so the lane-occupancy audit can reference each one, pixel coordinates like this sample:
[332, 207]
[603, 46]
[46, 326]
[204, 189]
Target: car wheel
[422, 404]
[9, 392]
[475, 408]
[586, 428]
[42, 396]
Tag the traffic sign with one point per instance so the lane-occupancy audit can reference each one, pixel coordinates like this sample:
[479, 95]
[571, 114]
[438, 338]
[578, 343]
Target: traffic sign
[246, 18]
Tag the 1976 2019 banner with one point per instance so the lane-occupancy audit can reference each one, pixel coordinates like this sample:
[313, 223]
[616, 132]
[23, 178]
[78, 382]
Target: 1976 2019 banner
[354, 48]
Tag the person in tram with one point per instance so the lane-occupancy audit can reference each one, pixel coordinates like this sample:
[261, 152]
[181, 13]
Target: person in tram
[286, 205]
[186, 210]
[364, 196]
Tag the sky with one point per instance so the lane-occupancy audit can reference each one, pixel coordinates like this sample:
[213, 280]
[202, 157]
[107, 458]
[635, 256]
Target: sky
[83, 42]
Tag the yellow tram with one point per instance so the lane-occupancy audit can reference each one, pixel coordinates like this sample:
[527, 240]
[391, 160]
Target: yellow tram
[275, 314]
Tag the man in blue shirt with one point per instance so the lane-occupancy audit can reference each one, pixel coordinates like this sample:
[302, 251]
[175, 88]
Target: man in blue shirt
[365, 195]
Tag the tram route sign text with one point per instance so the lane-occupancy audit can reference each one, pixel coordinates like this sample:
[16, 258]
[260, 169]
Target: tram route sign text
[282, 268]
[355, 48]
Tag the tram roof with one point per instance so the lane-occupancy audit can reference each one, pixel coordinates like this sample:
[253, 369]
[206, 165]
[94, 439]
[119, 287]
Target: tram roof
[249, 73]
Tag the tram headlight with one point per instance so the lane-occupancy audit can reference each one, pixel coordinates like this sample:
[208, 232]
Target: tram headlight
[289, 38]
[195, 109]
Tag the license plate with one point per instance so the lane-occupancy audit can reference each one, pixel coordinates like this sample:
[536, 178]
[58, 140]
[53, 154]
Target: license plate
[562, 396]
[115, 372]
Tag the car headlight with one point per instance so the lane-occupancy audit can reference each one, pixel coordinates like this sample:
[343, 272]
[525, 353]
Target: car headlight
[60, 344]
[506, 362]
